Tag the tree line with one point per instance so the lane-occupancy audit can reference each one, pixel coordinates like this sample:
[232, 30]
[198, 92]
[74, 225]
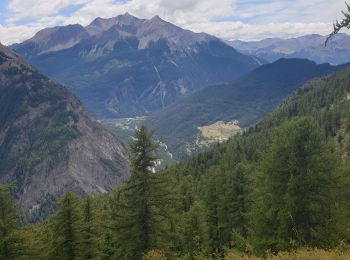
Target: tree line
[282, 185]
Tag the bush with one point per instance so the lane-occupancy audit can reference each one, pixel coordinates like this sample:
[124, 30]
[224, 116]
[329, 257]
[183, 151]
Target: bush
[154, 255]
[312, 254]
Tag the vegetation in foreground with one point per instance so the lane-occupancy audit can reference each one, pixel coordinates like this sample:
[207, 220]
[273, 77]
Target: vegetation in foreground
[273, 191]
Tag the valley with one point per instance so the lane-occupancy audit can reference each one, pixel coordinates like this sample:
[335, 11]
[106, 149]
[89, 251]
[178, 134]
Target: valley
[129, 132]
[247, 99]
[124, 129]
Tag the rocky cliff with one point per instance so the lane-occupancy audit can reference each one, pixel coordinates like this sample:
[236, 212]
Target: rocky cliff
[48, 142]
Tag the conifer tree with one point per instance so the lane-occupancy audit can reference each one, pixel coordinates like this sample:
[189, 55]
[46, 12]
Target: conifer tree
[141, 217]
[294, 202]
[88, 245]
[344, 23]
[8, 218]
[226, 198]
[65, 237]
[193, 231]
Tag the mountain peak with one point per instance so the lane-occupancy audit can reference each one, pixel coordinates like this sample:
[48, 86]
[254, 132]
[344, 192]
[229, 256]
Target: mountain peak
[100, 25]
[156, 18]
[127, 14]
[126, 18]
[96, 20]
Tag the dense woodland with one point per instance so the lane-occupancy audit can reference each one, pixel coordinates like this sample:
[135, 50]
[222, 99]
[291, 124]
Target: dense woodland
[281, 186]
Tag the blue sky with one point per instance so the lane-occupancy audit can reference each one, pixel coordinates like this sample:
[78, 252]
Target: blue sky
[228, 19]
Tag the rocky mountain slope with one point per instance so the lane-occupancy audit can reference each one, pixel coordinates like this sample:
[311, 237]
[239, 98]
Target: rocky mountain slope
[305, 47]
[125, 66]
[246, 100]
[48, 142]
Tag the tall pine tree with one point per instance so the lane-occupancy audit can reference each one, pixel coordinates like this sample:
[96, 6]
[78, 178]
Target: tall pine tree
[141, 216]
[293, 199]
[64, 225]
[87, 228]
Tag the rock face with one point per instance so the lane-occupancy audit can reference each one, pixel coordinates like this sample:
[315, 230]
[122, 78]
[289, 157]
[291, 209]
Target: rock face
[55, 39]
[125, 66]
[48, 142]
[306, 47]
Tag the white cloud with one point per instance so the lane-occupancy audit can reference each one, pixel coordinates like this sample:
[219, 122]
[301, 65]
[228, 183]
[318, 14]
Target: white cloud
[12, 34]
[36, 9]
[179, 12]
[302, 11]
[255, 19]
[239, 30]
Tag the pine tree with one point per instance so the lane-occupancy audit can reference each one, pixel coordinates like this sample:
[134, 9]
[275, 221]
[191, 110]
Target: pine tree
[212, 200]
[141, 216]
[64, 225]
[294, 203]
[226, 196]
[193, 231]
[337, 26]
[8, 217]
[88, 245]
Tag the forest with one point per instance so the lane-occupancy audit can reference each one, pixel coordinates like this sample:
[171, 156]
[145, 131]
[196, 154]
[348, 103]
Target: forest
[280, 190]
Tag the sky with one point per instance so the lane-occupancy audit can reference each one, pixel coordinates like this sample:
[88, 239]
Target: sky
[226, 19]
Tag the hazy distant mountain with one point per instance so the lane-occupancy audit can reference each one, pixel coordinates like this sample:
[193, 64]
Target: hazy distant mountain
[246, 100]
[306, 47]
[48, 142]
[125, 66]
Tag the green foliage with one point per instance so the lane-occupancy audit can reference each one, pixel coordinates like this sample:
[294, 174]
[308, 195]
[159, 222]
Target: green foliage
[65, 235]
[192, 230]
[283, 185]
[87, 228]
[8, 218]
[337, 26]
[247, 100]
[294, 203]
[140, 207]
[154, 255]
[13, 241]
[142, 150]
[226, 199]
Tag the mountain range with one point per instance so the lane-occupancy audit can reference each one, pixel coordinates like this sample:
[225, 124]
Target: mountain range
[247, 100]
[251, 195]
[310, 47]
[126, 66]
[48, 142]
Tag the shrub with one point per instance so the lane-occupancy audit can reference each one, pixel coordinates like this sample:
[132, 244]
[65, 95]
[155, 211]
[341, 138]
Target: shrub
[154, 255]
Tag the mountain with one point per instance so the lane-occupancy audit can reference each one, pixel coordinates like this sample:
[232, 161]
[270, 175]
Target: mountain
[48, 142]
[284, 179]
[247, 100]
[310, 47]
[125, 66]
